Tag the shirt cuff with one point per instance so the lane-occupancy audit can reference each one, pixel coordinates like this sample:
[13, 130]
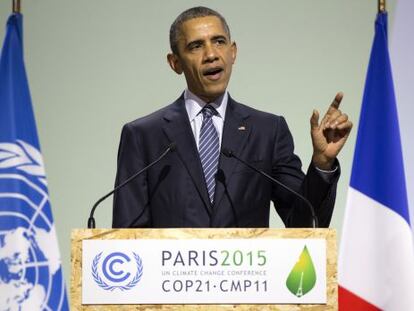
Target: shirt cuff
[327, 175]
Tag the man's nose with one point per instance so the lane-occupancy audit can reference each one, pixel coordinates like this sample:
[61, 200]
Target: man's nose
[210, 53]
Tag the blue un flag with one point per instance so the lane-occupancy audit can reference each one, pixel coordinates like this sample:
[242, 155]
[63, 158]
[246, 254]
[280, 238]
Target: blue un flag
[30, 268]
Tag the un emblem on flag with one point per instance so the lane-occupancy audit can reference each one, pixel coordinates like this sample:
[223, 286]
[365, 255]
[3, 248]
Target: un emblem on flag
[30, 272]
[117, 270]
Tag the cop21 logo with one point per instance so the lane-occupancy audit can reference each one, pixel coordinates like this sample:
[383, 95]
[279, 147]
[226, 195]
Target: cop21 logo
[117, 270]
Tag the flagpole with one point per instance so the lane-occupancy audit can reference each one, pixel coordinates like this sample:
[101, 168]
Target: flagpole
[16, 6]
[382, 6]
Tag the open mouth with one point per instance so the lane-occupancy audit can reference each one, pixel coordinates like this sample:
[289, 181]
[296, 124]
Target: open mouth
[213, 73]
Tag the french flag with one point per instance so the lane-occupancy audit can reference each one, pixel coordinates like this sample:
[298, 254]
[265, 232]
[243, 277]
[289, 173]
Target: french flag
[376, 261]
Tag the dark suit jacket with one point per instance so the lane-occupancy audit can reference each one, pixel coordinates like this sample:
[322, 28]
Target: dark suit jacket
[173, 192]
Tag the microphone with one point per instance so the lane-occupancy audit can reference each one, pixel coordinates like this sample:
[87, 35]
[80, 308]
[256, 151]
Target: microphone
[228, 153]
[91, 221]
[221, 177]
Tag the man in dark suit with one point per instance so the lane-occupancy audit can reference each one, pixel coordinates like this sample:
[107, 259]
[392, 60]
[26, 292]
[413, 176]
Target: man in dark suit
[196, 186]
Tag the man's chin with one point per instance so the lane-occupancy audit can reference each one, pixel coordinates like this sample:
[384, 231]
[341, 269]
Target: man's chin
[212, 94]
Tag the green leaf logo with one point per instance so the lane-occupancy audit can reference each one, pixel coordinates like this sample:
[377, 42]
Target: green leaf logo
[302, 278]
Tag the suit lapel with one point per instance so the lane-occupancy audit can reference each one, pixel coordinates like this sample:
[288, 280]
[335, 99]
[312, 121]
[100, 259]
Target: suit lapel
[178, 130]
[236, 131]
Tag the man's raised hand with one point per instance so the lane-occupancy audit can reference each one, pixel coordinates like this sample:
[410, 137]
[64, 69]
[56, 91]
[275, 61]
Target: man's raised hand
[330, 135]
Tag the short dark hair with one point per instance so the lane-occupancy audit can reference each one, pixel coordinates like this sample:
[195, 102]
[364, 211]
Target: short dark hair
[195, 12]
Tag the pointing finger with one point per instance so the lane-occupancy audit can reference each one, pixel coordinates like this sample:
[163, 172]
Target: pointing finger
[336, 102]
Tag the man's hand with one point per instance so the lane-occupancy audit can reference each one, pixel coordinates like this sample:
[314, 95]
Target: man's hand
[330, 135]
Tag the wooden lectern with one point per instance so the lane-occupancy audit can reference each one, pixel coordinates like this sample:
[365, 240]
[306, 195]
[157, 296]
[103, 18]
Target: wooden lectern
[253, 235]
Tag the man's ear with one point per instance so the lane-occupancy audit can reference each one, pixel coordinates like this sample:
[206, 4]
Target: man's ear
[234, 51]
[174, 63]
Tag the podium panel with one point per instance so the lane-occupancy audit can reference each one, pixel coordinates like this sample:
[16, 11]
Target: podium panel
[204, 269]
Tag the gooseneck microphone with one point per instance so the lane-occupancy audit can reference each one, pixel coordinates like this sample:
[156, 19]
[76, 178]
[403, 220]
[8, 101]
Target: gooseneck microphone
[91, 221]
[228, 153]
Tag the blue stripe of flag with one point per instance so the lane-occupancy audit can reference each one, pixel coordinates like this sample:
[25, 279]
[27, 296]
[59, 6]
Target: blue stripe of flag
[378, 169]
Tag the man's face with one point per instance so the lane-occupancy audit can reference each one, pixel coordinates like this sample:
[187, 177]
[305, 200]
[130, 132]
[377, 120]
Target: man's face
[205, 55]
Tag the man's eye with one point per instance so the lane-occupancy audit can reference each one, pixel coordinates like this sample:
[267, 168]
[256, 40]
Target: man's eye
[194, 46]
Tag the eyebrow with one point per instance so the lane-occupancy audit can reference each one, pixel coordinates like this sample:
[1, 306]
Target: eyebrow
[219, 37]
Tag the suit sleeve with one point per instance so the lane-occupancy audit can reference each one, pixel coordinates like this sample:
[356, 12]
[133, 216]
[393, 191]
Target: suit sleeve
[286, 167]
[131, 204]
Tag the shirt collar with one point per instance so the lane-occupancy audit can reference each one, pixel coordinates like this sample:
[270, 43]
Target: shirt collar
[194, 105]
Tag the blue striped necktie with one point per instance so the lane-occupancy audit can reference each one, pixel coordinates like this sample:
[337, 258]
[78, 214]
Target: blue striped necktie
[209, 149]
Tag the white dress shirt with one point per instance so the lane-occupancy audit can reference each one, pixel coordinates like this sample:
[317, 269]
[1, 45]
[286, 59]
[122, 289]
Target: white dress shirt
[194, 105]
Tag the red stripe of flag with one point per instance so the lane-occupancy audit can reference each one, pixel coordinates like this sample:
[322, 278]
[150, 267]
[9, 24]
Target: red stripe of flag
[348, 301]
